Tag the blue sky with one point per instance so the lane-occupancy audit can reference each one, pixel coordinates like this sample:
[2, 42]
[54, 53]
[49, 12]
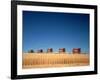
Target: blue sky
[43, 30]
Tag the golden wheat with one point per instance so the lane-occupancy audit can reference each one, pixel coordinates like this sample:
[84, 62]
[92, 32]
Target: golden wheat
[39, 60]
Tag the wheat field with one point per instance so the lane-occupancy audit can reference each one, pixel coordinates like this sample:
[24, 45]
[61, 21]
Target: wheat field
[42, 60]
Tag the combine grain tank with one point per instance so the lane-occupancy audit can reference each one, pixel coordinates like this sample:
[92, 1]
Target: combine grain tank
[40, 51]
[49, 50]
[76, 50]
[62, 50]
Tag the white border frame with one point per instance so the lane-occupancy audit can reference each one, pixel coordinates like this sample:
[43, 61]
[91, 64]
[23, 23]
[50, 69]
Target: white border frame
[21, 71]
